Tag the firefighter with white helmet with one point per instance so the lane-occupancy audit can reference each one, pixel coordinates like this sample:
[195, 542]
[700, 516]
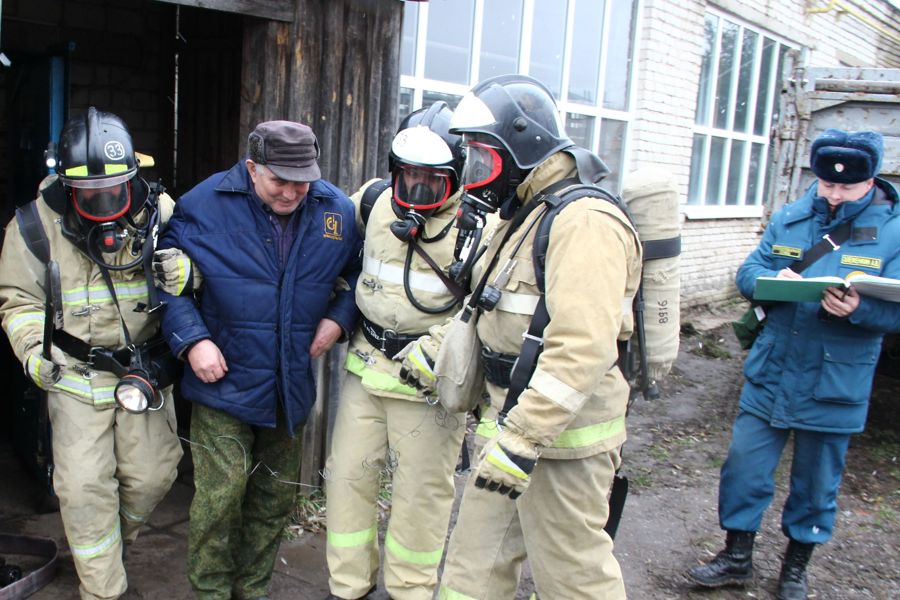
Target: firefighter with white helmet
[383, 426]
[541, 482]
[100, 219]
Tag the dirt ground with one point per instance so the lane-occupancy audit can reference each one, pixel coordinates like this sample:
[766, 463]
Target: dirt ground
[672, 459]
[676, 445]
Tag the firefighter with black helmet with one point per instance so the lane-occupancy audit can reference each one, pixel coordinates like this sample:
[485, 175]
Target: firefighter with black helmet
[384, 427]
[541, 481]
[100, 220]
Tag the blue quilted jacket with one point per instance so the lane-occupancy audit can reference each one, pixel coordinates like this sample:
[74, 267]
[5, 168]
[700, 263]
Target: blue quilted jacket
[262, 319]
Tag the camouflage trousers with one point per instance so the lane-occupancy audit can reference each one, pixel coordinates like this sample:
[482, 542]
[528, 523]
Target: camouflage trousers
[242, 500]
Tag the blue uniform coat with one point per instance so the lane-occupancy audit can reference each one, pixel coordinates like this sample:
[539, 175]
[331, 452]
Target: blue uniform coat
[806, 371]
[262, 318]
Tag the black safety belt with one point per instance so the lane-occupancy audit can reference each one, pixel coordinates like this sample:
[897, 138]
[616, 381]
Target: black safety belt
[829, 243]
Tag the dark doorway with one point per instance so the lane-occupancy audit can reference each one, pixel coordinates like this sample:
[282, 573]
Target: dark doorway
[208, 54]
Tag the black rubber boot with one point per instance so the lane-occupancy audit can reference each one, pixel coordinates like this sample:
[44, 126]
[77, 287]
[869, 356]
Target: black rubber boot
[731, 566]
[368, 595]
[792, 582]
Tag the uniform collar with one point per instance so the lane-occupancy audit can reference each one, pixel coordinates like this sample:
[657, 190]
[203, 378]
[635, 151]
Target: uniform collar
[557, 167]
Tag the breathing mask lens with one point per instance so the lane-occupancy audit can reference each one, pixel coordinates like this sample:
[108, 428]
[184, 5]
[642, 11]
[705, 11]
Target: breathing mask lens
[421, 188]
[102, 204]
[483, 165]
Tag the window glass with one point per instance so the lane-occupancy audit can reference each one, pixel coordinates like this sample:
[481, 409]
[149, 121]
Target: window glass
[755, 173]
[727, 63]
[745, 80]
[612, 151]
[548, 43]
[429, 98]
[710, 27]
[580, 129]
[740, 70]
[408, 38]
[735, 193]
[584, 70]
[618, 55]
[448, 49]
[406, 100]
[715, 169]
[766, 67]
[779, 77]
[500, 38]
[698, 160]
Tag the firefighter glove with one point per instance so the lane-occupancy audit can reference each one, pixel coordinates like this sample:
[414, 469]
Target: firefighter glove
[506, 464]
[174, 272]
[45, 372]
[417, 367]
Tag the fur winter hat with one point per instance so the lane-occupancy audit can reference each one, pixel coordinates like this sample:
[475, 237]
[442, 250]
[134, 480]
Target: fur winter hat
[846, 156]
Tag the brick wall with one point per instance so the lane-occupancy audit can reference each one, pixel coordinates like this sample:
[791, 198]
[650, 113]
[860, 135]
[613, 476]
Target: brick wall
[667, 73]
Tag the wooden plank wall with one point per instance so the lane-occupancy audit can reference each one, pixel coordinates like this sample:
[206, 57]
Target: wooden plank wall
[335, 68]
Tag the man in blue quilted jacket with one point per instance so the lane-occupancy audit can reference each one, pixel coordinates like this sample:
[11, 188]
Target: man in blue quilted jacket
[809, 373]
[279, 252]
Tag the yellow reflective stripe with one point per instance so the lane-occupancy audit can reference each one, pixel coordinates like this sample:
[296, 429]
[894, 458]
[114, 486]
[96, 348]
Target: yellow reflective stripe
[352, 539]
[124, 290]
[446, 593]
[85, 551]
[113, 169]
[33, 368]
[417, 357]
[591, 434]
[77, 171]
[74, 385]
[571, 438]
[487, 428]
[376, 380]
[104, 395]
[499, 459]
[24, 319]
[183, 263]
[414, 557]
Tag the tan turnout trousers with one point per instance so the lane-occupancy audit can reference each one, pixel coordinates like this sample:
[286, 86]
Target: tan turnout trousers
[111, 470]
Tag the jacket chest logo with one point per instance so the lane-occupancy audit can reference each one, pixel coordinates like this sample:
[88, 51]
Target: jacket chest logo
[861, 261]
[334, 227]
[787, 251]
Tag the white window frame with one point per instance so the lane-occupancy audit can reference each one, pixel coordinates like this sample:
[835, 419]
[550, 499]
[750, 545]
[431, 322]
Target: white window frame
[419, 84]
[723, 210]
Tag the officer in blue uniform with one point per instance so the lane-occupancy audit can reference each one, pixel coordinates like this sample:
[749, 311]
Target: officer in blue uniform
[810, 370]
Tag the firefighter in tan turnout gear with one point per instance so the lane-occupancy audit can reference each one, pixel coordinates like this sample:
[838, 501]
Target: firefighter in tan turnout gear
[112, 465]
[541, 482]
[384, 427]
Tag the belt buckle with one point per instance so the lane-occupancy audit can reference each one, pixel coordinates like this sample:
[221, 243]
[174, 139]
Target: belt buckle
[384, 339]
[92, 353]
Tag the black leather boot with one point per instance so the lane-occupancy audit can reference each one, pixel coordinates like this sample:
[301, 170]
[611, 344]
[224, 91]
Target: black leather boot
[731, 566]
[792, 582]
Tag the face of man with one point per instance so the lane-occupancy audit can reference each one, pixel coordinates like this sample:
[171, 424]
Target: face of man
[283, 197]
[838, 193]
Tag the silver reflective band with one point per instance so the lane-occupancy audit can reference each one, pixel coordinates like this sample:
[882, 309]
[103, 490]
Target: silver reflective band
[520, 304]
[394, 274]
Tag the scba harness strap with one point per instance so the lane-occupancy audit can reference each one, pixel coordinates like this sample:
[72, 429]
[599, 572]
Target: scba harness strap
[153, 352]
[556, 198]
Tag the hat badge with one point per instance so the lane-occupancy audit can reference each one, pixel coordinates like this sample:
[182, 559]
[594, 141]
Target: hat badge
[839, 167]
